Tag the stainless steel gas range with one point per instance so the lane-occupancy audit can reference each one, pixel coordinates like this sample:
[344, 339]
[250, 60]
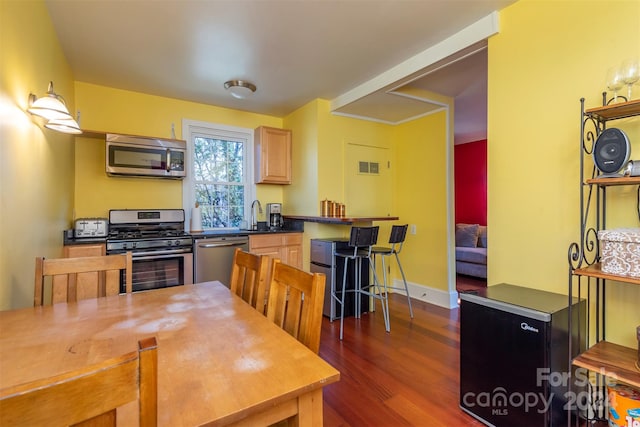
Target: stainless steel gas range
[162, 251]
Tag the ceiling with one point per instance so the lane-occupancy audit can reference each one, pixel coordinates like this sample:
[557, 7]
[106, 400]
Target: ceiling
[364, 56]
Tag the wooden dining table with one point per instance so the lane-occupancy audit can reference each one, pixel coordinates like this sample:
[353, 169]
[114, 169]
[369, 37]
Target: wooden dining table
[220, 362]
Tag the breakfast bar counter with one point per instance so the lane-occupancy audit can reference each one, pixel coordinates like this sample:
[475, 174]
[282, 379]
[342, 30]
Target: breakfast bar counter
[346, 220]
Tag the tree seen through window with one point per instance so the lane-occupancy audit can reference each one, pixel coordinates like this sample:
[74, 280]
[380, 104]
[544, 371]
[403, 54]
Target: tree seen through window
[218, 181]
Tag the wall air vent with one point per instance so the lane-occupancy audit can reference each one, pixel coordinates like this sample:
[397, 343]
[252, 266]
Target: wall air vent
[368, 167]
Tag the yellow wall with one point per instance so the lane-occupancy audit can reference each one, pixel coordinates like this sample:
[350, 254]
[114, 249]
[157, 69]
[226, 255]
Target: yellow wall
[319, 139]
[334, 133]
[546, 57]
[36, 164]
[421, 194]
[299, 197]
[120, 111]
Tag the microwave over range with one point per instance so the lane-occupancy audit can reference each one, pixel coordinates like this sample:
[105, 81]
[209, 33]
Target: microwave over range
[145, 157]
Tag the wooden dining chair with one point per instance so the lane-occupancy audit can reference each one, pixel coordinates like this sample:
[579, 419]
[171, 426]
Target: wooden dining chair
[296, 298]
[249, 278]
[87, 396]
[82, 277]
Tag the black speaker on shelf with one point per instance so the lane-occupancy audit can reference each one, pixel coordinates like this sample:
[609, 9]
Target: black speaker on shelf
[611, 151]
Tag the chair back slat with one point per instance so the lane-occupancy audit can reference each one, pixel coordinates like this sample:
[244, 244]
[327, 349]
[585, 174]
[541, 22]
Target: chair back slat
[87, 396]
[64, 288]
[78, 278]
[398, 233]
[294, 322]
[296, 299]
[363, 236]
[249, 278]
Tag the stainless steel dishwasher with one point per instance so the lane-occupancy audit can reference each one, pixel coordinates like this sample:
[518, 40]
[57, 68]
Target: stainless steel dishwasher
[213, 257]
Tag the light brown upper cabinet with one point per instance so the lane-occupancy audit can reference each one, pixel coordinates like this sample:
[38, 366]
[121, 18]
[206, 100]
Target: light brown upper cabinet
[272, 155]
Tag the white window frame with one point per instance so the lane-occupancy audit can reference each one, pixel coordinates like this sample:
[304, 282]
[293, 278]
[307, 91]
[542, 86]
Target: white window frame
[191, 128]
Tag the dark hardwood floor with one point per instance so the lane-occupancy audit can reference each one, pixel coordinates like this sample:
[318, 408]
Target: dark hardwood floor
[408, 377]
[468, 283]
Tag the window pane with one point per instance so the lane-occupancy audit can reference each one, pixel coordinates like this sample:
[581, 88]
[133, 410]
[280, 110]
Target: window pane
[235, 158]
[236, 205]
[219, 176]
[212, 200]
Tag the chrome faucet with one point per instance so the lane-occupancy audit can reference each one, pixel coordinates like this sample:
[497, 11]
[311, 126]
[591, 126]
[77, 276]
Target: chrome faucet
[254, 218]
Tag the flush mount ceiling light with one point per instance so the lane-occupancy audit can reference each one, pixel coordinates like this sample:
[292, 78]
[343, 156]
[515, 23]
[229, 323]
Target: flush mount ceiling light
[240, 88]
[51, 106]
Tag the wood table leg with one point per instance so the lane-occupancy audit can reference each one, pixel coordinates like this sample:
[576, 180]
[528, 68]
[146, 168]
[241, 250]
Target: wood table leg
[310, 409]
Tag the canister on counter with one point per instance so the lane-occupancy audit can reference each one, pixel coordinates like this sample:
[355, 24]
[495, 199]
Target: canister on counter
[324, 207]
[342, 210]
[334, 209]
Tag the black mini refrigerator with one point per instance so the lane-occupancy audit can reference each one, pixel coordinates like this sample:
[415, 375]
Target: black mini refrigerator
[514, 355]
[324, 261]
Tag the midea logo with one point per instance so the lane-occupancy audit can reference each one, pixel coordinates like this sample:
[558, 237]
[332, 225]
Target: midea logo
[525, 327]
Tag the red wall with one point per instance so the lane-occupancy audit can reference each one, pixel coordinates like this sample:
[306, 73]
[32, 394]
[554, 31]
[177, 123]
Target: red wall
[470, 162]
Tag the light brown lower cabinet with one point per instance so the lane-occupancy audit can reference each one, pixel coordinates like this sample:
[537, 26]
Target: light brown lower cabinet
[285, 246]
[73, 251]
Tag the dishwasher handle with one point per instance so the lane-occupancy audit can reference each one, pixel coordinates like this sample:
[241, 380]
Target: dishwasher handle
[221, 244]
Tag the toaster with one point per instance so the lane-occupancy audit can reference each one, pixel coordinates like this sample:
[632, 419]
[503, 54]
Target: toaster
[91, 227]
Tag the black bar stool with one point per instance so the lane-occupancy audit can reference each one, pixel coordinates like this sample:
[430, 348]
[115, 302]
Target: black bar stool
[361, 241]
[396, 239]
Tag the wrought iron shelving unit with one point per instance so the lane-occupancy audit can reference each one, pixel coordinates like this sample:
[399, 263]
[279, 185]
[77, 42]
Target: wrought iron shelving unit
[586, 278]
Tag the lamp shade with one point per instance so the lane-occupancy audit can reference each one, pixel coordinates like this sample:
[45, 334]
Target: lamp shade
[51, 106]
[64, 126]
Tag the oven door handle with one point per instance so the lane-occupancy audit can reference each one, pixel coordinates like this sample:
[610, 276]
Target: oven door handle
[220, 245]
[137, 256]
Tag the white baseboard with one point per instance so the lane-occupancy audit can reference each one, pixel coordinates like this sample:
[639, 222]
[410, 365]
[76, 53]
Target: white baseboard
[430, 295]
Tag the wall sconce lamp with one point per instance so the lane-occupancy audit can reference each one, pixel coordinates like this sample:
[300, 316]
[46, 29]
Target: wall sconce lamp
[240, 88]
[64, 126]
[53, 109]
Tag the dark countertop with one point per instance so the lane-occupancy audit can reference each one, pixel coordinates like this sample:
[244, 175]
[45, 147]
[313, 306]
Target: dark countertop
[221, 233]
[82, 241]
[68, 238]
[289, 227]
